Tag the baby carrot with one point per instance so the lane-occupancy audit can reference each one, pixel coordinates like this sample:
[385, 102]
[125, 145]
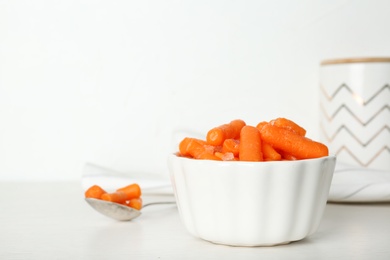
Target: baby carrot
[237, 124]
[261, 124]
[199, 150]
[218, 134]
[135, 203]
[205, 155]
[118, 197]
[185, 145]
[95, 192]
[269, 153]
[217, 148]
[219, 155]
[250, 144]
[288, 124]
[232, 146]
[287, 157]
[132, 191]
[292, 143]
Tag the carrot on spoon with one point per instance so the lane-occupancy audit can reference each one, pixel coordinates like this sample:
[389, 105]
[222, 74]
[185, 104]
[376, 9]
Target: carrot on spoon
[132, 191]
[135, 203]
[94, 192]
[118, 197]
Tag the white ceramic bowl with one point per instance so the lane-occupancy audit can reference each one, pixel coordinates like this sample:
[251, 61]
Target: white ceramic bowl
[251, 203]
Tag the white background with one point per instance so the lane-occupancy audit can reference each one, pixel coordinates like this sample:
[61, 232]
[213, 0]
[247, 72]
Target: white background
[118, 83]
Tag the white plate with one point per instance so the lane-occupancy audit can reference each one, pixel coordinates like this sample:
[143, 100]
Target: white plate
[357, 184]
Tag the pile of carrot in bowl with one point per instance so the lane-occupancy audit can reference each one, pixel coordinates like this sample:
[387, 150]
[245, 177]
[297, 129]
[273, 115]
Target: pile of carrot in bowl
[276, 140]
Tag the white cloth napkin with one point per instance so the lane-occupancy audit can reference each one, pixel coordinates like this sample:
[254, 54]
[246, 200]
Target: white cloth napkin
[358, 184]
[111, 180]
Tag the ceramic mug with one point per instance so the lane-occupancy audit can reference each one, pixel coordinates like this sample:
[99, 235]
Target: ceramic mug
[355, 110]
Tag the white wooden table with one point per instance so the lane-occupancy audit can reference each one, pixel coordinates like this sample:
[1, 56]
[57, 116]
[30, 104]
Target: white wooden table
[52, 221]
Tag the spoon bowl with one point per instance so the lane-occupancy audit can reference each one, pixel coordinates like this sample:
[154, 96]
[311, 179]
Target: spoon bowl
[118, 211]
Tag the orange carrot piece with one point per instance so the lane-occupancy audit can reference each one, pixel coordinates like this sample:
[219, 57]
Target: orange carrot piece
[183, 150]
[288, 124]
[185, 145]
[217, 148]
[261, 124]
[199, 150]
[207, 156]
[218, 134]
[269, 153]
[237, 124]
[287, 157]
[118, 197]
[132, 191]
[231, 146]
[292, 143]
[135, 203]
[219, 155]
[250, 144]
[195, 149]
[94, 192]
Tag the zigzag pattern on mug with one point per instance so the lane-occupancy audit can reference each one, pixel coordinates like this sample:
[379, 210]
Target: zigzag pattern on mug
[375, 116]
[343, 106]
[383, 149]
[345, 86]
[344, 127]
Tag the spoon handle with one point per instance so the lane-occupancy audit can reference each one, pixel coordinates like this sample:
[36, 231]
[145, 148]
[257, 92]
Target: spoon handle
[157, 203]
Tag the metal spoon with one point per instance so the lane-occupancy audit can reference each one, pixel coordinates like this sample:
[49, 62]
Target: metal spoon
[118, 211]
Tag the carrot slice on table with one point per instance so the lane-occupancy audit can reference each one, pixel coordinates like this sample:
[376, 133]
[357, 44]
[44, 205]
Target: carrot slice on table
[250, 144]
[118, 197]
[132, 191]
[94, 192]
[218, 134]
[288, 124]
[292, 143]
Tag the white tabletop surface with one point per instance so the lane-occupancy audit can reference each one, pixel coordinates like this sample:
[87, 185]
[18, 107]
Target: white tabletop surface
[52, 221]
